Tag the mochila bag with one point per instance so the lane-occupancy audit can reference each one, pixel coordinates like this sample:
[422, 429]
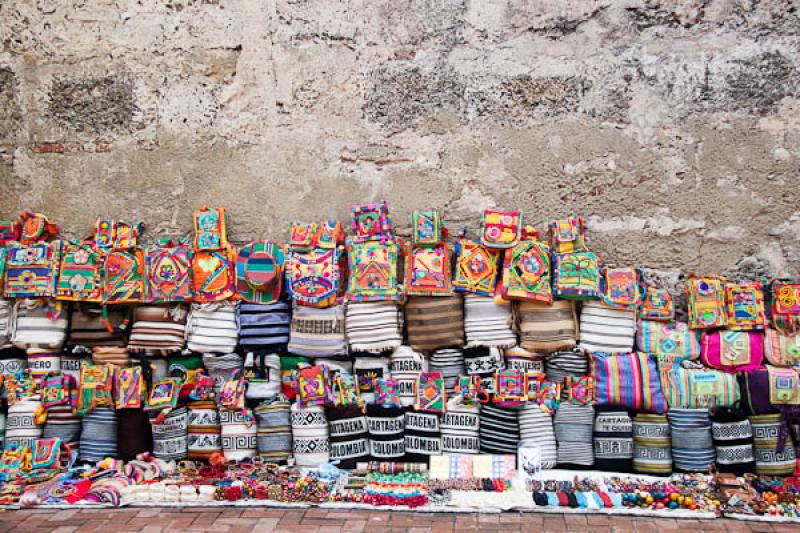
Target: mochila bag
[80, 277]
[158, 329]
[210, 229]
[688, 384]
[627, 380]
[732, 351]
[318, 332]
[374, 327]
[782, 349]
[706, 301]
[32, 270]
[568, 235]
[754, 386]
[657, 305]
[547, 328]
[477, 268]
[38, 325]
[605, 329]
[428, 271]
[91, 326]
[576, 276]
[264, 326]
[501, 229]
[212, 328]
[434, 322]
[10, 230]
[169, 274]
[668, 338]
[527, 271]
[488, 323]
[373, 271]
[621, 287]
[312, 277]
[262, 372]
[371, 222]
[259, 272]
[213, 275]
[123, 280]
[745, 306]
[110, 234]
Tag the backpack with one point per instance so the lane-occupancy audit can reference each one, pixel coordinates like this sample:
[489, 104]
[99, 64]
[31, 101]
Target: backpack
[32, 270]
[169, 274]
[622, 287]
[527, 274]
[373, 271]
[81, 274]
[477, 268]
[501, 229]
[213, 275]
[210, 229]
[428, 271]
[371, 221]
[123, 276]
[745, 306]
[312, 277]
[706, 302]
[657, 305]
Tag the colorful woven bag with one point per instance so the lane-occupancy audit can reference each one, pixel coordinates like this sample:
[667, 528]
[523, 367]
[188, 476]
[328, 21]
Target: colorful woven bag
[123, 280]
[628, 380]
[501, 229]
[259, 272]
[371, 222]
[476, 268]
[784, 386]
[168, 274]
[428, 271]
[527, 271]
[312, 277]
[32, 270]
[785, 304]
[213, 275]
[782, 349]
[373, 271]
[80, 276]
[621, 287]
[732, 351]
[706, 301]
[745, 306]
[426, 228]
[210, 229]
[576, 276]
[668, 338]
[568, 235]
[657, 305]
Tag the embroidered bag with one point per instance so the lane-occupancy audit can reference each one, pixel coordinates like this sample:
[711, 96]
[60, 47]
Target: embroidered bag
[210, 229]
[330, 234]
[706, 301]
[58, 389]
[231, 395]
[745, 306]
[511, 388]
[371, 222]
[628, 380]
[568, 235]
[428, 271]
[112, 234]
[10, 230]
[622, 287]
[345, 390]
[259, 272]
[213, 276]
[501, 229]
[429, 393]
[386, 392]
[128, 388]
[668, 338]
[123, 281]
[163, 397]
[80, 276]
[527, 272]
[580, 391]
[785, 304]
[688, 384]
[169, 274]
[32, 271]
[576, 276]
[36, 228]
[476, 268]
[657, 305]
[426, 228]
[373, 271]
[782, 349]
[312, 277]
[732, 351]
[312, 385]
[784, 386]
[96, 383]
[302, 235]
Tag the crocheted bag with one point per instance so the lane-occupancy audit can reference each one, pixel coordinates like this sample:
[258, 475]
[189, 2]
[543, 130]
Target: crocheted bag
[38, 324]
[429, 393]
[81, 274]
[688, 384]
[527, 271]
[428, 271]
[129, 387]
[657, 305]
[96, 384]
[668, 338]
[373, 271]
[608, 330]
[213, 275]
[568, 235]
[371, 221]
[785, 304]
[732, 351]
[434, 322]
[476, 268]
[32, 271]
[426, 228]
[312, 385]
[547, 328]
[501, 229]
[10, 230]
[259, 272]
[576, 276]
[782, 349]
[374, 326]
[745, 306]
[210, 229]
[312, 277]
[110, 234]
[212, 327]
[36, 227]
[706, 300]
[168, 274]
[622, 287]
[784, 386]
[627, 380]
[123, 280]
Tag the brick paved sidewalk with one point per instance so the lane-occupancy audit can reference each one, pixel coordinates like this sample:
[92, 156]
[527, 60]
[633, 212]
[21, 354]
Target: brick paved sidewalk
[238, 520]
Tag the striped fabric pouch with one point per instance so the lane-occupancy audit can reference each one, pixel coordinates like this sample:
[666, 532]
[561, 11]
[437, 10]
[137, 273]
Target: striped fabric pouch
[547, 328]
[318, 332]
[374, 327]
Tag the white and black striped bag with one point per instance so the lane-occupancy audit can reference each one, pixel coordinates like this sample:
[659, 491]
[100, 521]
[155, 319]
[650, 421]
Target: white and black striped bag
[374, 327]
[607, 330]
[487, 323]
[33, 328]
[212, 328]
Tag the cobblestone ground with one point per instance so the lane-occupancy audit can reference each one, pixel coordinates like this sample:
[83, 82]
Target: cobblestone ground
[233, 520]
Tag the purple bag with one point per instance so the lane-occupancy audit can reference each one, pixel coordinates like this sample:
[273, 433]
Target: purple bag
[754, 388]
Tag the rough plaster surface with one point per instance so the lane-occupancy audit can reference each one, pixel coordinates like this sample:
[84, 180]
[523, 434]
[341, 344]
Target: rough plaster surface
[673, 126]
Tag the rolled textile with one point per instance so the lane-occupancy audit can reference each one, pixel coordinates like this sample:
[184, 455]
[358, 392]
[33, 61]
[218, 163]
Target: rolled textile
[536, 431]
[405, 367]
[87, 326]
[204, 435]
[263, 374]
[771, 459]
[613, 441]
[559, 365]
[460, 426]
[367, 370]
[211, 327]
[607, 330]
[134, 433]
[499, 429]
[239, 436]
[111, 355]
[732, 434]
[483, 362]
[98, 435]
[310, 443]
[487, 323]
[386, 426]
[545, 328]
[573, 424]
[21, 428]
[42, 362]
[434, 322]
[374, 327]
[318, 332]
[158, 329]
[34, 327]
[692, 446]
[274, 437]
[170, 437]
[518, 358]
[64, 423]
[652, 445]
[449, 362]
[264, 327]
[221, 366]
[423, 436]
[349, 437]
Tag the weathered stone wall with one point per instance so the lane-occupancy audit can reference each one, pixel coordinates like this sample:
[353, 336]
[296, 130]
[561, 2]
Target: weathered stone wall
[672, 125]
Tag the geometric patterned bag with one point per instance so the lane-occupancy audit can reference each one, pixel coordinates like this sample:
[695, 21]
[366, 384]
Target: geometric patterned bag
[622, 287]
[373, 271]
[124, 276]
[476, 268]
[576, 276]
[32, 271]
[527, 271]
[657, 305]
[428, 271]
[259, 272]
[210, 229]
[745, 306]
[80, 277]
[213, 275]
[169, 274]
[568, 235]
[312, 277]
[782, 349]
[706, 300]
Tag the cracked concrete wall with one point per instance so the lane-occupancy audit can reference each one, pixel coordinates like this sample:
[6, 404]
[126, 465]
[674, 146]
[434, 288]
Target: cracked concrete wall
[671, 125]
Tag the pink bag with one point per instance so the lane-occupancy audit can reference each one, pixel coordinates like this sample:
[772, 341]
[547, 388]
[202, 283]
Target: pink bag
[732, 351]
